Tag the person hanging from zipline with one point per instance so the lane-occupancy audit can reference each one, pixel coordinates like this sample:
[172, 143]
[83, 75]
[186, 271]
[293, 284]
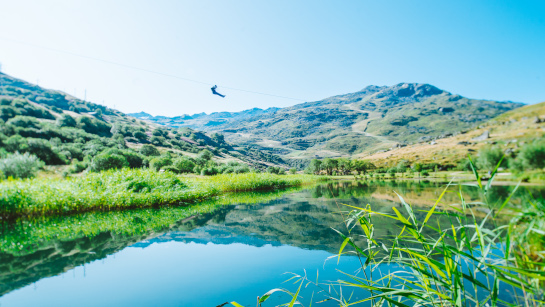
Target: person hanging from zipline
[216, 93]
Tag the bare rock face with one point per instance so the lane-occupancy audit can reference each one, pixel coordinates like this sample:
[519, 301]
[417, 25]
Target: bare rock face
[483, 136]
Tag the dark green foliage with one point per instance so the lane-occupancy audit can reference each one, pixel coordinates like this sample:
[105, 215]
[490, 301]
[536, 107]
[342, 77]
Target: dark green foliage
[532, 156]
[159, 162]
[489, 157]
[91, 125]
[134, 160]
[24, 122]
[43, 150]
[104, 162]
[66, 121]
[7, 112]
[149, 150]
[141, 135]
[183, 164]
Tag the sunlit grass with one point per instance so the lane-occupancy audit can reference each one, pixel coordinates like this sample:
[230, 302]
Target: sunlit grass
[125, 189]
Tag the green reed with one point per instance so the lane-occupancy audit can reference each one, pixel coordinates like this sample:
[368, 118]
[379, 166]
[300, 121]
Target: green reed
[466, 264]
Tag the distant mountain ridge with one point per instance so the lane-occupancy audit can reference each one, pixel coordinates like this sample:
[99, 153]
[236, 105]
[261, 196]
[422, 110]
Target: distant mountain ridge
[372, 119]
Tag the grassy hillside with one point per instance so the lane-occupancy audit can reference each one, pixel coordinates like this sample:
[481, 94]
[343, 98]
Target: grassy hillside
[510, 131]
[63, 130]
[373, 119]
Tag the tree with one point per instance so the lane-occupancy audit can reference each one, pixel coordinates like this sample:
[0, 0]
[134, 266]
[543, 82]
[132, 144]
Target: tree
[293, 171]
[417, 167]
[315, 166]
[344, 165]
[363, 166]
[329, 165]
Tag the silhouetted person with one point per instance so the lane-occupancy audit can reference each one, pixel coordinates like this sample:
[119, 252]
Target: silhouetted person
[216, 93]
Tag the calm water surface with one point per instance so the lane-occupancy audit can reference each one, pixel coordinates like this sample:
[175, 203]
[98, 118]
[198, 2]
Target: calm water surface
[234, 253]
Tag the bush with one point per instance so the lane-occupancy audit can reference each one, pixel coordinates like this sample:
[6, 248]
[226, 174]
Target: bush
[43, 150]
[532, 156]
[20, 165]
[489, 157]
[141, 135]
[7, 112]
[293, 171]
[183, 164]
[160, 162]
[171, 168]
[425, 174]
[91, 125]
[149, 150]
[66, 121]
[104, 162]
[24, 122]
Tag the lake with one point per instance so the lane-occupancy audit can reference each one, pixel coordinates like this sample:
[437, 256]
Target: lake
[231, 249]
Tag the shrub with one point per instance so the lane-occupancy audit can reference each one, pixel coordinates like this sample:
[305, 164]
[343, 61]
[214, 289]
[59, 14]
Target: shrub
[293, 171]
[209, 171]
[425, 174]
[149, 150]
[134, 159]
[24, 122]
[43, 150]
[183, 164]
[20, 165]
[66, 121]
[141, 135]
[104, 162]
[160, 162]
[532, 156]
[489, 157]
[7, 112]
[171, 168]
[91, 125]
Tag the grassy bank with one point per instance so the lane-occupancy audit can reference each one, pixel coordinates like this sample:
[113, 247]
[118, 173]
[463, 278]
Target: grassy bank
[127, 189]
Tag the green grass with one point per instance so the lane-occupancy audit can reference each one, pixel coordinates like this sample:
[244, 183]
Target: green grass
[127, 189]
[24, 236]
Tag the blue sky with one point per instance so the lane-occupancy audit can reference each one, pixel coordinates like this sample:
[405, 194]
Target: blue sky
[307, 50]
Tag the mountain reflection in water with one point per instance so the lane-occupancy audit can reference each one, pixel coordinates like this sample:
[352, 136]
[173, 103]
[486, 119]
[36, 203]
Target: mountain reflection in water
[302, 218]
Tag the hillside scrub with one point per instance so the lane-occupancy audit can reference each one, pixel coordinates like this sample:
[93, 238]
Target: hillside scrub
[20, 165]
[127, 188]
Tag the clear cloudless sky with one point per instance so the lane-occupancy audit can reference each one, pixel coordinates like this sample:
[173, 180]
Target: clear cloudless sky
[309, 50]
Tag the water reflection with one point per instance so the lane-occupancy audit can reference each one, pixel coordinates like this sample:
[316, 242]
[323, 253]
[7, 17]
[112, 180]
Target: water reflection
[303, 219]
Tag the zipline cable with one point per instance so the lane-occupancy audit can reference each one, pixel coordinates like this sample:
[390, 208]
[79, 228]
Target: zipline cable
[141, 69]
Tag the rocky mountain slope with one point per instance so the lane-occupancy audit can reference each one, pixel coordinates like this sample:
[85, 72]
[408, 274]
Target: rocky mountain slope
[510, 131]
[374, 119]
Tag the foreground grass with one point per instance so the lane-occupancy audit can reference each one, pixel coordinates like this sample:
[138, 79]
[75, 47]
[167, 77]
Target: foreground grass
[127, 189]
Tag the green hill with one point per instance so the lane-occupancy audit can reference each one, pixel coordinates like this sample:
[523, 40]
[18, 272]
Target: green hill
[374, 119]
[63, 130]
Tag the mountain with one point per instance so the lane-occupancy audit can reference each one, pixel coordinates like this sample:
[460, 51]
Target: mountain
[61, 129]
[374, 119]
[510, 130]
[203, 121]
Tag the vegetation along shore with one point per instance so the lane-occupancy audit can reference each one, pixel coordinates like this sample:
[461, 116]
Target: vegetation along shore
[126, 189]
